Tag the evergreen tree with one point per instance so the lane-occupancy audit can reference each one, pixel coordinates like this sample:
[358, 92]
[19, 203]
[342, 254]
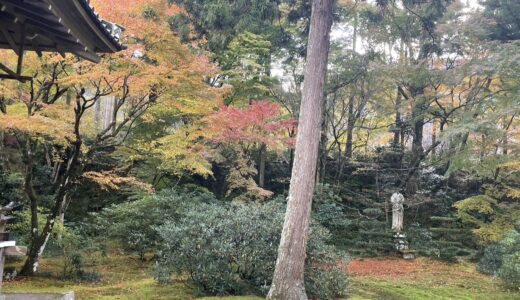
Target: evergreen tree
[450, 238]
[503, 24]
[288, 278]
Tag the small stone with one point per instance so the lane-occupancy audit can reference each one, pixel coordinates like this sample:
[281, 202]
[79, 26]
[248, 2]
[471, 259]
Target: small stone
[408, 256]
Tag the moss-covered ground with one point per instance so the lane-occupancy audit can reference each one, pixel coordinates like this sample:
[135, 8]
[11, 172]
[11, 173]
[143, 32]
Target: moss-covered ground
[390, 278]
[124, 277]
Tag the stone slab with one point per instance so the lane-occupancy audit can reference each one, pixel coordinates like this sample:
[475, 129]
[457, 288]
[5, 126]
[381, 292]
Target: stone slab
[37, 296]
[408, 256]
[15, 251]
[7, 244]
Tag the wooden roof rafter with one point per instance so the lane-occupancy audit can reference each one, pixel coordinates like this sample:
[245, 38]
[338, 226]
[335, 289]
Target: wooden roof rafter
[18, 48]
[63, 26]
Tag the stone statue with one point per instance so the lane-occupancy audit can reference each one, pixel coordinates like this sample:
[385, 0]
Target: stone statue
[397, 201]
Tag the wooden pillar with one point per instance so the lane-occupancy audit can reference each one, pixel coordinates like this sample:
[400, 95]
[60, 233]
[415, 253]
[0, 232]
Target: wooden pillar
[2, 262]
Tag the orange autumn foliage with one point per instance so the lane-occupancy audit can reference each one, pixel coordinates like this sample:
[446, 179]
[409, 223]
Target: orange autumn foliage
[156, 69]
[154, 60]
[260, 122]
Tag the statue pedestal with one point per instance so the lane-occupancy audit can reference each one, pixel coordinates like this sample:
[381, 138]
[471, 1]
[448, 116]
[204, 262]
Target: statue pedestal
[408, 254]
[401, 245]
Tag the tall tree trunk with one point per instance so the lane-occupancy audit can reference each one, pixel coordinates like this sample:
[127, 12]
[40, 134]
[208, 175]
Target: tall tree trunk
[288, 278]
[417, 147]
[434, 135]
[350, 126]
[418, 127]
[97, 116]
[322, 157]
[418, 110]
[351, 120]
[261, 165]
[324, 140]
[355, 33]
[108, 110]
[398, 126]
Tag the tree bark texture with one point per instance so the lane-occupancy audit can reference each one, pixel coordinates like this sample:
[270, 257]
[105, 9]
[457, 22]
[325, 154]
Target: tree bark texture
[351, 122]
[288, 280]
[398, 125]
[324, 139]
[261, 165]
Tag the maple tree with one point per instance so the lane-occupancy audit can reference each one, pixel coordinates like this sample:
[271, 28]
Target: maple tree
[228, 134]
[48, 116]
[260, 125]
[260, 122]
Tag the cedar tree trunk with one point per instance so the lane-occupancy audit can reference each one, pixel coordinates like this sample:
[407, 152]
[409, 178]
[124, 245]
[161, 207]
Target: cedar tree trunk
[288, 283]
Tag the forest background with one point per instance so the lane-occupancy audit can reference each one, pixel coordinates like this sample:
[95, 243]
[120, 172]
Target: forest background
[157, 143]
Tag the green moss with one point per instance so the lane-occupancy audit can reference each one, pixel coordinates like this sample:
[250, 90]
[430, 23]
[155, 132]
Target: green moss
[124, 277]
[425, 286]
[233, 298]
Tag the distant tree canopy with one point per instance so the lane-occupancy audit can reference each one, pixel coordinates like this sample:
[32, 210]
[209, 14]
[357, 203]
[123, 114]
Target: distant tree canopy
[220, 21]
[502, 20]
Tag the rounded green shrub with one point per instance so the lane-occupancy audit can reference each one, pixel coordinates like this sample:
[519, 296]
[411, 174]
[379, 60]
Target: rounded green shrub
[491, 259]
[503, 260]
[133, 223]
[230, 248]
[509, 272]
